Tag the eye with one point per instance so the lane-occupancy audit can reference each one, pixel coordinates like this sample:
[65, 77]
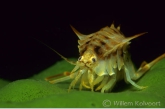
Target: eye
[94, 59]
[79, 58]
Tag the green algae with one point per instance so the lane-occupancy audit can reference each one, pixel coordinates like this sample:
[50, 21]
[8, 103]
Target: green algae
[27, 89]
[35, 92]
[3, 83]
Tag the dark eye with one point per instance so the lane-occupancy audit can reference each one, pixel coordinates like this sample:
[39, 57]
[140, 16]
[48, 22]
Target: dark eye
[79, 58]
[93, 59]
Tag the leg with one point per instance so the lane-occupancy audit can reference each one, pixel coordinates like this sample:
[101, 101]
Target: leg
[69, 76]
[84, 85]
[98, 80]
[58, 75]
[79, 73]
[73, 83]
[84, 82]
[128, 79]
[60, 80]
[145, 67]
[90, 79]
[109, 86]
[66, 74]
[102, 83]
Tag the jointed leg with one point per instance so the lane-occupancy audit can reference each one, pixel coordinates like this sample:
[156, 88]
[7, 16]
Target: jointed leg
[77, 78]
[128, 79]
[66, 74]
[104, 81]
[110, 84]
[73, 83]
[145, 67]
[90, 79]
[98, 80]
[84, 82]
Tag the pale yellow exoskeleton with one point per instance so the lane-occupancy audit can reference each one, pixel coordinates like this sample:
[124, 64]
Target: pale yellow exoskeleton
[104, 60]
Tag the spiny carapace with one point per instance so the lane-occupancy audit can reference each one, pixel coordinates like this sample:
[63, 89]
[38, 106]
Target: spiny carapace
[104, 60]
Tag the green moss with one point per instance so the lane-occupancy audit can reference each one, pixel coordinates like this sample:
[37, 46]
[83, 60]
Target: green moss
[35, 92]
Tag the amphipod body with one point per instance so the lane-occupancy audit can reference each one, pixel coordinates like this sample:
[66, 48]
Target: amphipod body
[104, 60]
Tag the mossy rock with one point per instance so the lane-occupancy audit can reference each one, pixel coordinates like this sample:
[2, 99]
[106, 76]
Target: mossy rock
[35, 92]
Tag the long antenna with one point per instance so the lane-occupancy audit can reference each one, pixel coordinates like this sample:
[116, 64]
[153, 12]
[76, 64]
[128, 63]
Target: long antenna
[69, 61]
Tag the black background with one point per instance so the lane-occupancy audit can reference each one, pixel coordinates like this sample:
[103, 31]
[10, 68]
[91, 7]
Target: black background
[49, 21]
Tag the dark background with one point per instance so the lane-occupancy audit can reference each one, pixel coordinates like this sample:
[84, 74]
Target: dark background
[21, 56]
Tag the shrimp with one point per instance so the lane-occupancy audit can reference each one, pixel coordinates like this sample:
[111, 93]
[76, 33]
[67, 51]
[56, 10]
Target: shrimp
[104, 60]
